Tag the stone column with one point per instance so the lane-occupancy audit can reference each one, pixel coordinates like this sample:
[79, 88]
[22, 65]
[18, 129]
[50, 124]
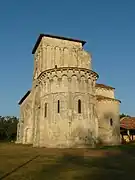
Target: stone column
[44, 59]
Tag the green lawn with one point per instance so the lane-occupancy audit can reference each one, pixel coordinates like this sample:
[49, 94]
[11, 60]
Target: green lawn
[66, 164]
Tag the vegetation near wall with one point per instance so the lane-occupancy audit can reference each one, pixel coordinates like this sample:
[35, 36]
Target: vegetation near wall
[8, 128]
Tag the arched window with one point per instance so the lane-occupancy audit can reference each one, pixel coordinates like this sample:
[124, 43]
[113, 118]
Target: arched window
[79, 106]
[111, 122]
[45, 110]
[55, 66]
[58, 106]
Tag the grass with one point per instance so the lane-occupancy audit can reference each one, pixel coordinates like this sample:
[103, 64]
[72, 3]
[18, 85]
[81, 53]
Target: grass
[66, 164]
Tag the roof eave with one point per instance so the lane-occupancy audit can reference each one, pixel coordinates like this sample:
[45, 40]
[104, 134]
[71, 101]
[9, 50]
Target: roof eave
[24, 97]
[104, 86]
[54, 36]
[101, 98]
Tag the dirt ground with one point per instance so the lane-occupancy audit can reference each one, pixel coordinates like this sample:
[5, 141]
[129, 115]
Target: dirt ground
[23, 162]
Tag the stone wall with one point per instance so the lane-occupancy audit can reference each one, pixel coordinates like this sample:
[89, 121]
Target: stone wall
[61, 53]
[24, 134]
[66, 128]
[105, 92]
[62, 109]
[67, 80]
[108, 120]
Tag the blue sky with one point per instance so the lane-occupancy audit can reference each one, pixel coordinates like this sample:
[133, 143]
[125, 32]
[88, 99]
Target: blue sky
[107, 26]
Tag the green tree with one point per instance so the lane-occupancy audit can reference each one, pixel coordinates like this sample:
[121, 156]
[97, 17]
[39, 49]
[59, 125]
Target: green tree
[124, 115]
[8, 127]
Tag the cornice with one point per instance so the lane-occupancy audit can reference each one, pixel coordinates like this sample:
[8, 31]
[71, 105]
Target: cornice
[68, 71]
[104, 98]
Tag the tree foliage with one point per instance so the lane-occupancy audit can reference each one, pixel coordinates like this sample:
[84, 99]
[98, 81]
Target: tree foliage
[124, 115]
[8, 128]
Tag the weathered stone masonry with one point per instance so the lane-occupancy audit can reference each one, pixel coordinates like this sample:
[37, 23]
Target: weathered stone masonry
[65, 106]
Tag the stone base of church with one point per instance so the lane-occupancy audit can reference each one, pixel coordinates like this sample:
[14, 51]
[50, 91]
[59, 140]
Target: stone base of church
[70, 144]
[66, 144]
[61, 146]
[18, 142]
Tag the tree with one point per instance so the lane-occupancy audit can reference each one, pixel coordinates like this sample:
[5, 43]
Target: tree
[124, 115]
[8, 127]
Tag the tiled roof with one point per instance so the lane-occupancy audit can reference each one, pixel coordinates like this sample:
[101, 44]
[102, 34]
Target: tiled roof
[104, 86]
[100, 98]
[127, 122]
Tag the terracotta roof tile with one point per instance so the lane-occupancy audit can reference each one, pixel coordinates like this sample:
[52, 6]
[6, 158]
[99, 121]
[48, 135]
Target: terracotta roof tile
[127, 122]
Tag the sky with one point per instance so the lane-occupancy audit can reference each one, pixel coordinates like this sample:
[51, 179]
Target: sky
[108, 26]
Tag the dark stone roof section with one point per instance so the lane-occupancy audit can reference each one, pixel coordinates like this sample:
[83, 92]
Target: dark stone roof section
[127, 122]
[101, 98]
[104, 86]
[54, 36]
[24, 97]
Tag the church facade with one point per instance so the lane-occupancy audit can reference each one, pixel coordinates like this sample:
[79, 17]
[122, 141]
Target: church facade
[65, 106]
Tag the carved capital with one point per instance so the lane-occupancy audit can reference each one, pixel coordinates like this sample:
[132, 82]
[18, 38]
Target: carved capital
[51, 79]
[59, 78]
[69, 79]
[69, 72]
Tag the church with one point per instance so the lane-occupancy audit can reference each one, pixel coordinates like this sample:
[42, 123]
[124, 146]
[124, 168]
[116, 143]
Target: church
[66, 107]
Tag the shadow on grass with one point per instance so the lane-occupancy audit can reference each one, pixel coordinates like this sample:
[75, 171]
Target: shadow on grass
[120, 165]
